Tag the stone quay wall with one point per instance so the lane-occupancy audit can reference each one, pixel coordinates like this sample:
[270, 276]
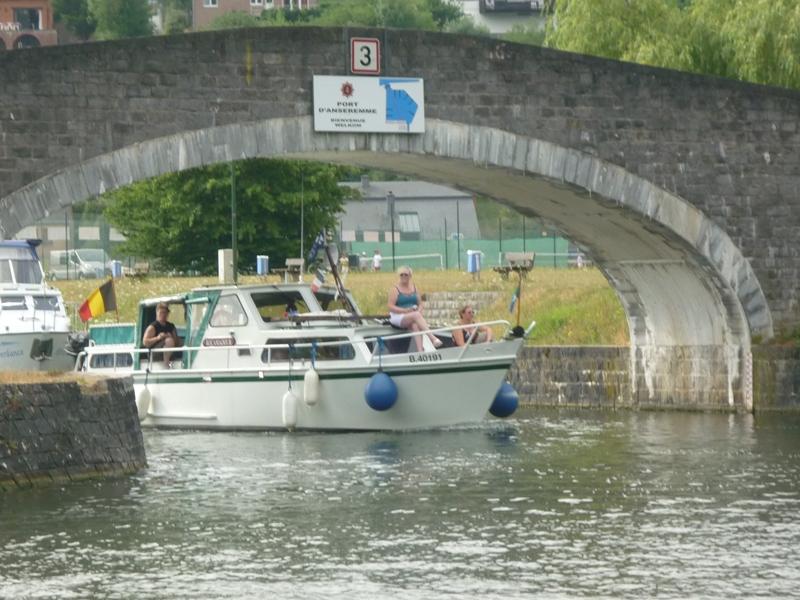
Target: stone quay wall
[776, 378]
[65, 431]
[609, 377]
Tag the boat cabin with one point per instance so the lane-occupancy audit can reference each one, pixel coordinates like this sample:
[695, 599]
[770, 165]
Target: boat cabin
[241, 317]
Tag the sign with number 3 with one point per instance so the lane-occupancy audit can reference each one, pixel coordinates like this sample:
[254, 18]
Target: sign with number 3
[365, 56]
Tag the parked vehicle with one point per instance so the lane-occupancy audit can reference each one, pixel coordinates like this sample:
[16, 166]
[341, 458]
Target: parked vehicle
[485, 6]
[84, 263]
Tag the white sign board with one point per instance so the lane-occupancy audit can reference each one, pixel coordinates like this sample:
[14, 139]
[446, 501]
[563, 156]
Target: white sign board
[369, 104]
[365, 56]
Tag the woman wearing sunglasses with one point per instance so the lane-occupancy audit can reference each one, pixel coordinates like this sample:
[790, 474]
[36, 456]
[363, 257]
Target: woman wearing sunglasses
[405, 308]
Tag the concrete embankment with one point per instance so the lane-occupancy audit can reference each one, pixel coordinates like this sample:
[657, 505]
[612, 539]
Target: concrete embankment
[72, 429]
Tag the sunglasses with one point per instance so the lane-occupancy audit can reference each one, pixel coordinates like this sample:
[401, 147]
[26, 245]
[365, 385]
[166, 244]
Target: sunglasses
[405, 274]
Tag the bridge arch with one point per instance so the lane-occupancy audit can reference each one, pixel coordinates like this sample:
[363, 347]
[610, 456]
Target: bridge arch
[680, 278]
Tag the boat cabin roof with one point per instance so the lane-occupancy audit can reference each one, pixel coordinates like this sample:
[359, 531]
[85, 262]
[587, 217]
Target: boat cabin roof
[252, 307]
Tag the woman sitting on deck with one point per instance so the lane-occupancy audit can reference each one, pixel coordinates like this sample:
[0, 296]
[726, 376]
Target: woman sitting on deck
[469, 332]
[405, 308]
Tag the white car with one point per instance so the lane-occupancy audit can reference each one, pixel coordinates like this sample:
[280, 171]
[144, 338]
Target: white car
[509, 5]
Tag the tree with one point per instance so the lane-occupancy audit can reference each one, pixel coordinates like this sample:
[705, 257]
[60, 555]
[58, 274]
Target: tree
[533, 35]
[760, 37]
[181, 219]
[617, 29]
[75, 16]
[466, 26]
[177, 15]
[235, 20]
[401, 14]
[755, 40]
[121, 18]
[445, 12]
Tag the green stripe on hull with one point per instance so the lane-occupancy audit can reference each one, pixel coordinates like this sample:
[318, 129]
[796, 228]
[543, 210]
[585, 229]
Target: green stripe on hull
[297, 375]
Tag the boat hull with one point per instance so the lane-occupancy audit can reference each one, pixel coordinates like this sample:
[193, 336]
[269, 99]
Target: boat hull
[431, 393]
[35, 351]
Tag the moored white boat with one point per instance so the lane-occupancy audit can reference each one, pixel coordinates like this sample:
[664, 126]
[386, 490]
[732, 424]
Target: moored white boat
[245, 364]
[34, 325]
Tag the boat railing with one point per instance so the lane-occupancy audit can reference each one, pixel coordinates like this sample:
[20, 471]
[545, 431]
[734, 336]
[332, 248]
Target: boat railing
[155, 355]
[290, 352]
[413, 334]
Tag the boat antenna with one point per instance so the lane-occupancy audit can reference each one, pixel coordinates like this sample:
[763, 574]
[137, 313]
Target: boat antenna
[338, 280]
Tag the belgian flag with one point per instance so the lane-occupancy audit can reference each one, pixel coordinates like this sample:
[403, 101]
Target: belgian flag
[99, 301]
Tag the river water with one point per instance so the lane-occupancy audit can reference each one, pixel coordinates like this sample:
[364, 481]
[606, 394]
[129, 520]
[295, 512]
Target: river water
[549, 504]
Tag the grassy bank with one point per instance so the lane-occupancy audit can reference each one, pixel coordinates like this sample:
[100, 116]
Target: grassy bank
[570, 306]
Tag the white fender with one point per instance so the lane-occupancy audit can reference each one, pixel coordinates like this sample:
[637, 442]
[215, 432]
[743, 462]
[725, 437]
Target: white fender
[311, 387]
[143, 401]
[289, 409]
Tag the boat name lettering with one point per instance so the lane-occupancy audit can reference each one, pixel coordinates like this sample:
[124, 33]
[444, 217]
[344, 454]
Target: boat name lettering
[425, 358]
[219, 342]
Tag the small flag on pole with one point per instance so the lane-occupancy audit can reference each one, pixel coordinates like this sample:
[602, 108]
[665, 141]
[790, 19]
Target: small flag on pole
[319, 279]
[102, 300]
[514, 300]
[319, 243]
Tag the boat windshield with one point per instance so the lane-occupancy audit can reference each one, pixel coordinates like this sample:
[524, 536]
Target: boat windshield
[275, 305]
[13, 303]
[330, 300]
[45, 302]
[17, 266]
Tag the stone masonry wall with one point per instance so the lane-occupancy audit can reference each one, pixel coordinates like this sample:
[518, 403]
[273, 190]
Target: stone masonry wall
[53, 432]
[600, 377]
[575, 376]
[776, 378]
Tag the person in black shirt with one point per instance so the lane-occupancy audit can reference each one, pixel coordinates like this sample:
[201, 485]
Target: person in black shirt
[161, 333]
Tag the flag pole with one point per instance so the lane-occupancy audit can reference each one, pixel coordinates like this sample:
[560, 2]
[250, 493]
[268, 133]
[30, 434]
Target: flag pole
[519, 297]
[116, 304]
[338, 280]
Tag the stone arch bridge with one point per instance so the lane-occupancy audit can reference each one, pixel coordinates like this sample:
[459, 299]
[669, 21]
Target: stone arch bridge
[683, 189]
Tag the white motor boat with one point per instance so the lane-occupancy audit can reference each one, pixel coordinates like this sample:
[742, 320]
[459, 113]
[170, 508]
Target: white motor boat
[248, 363]
[34, 325]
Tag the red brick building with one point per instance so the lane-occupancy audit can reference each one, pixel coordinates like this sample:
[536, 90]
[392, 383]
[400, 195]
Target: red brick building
[26, 24]
[205, 11]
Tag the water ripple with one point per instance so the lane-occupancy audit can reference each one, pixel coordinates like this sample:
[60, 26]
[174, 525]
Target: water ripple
[553, 504]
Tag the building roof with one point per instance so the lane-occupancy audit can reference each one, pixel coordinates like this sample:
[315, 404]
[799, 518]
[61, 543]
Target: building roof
[405, 190]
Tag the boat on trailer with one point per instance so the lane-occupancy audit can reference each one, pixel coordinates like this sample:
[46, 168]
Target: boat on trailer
[34, 326]
[287, 356]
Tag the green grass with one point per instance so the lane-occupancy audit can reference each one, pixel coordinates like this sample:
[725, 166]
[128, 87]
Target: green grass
[571, 307]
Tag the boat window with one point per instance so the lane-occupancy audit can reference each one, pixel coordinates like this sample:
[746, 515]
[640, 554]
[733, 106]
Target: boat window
[111, 360]
[5, 271]
[197, 312]
[13, 303]
[277, 305]
[17, 265]
[330, 301]
[228, 313]
[341, 351]
[45, 302]
[27, 271]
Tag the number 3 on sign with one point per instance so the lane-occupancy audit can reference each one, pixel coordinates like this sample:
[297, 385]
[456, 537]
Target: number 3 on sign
[365, 56]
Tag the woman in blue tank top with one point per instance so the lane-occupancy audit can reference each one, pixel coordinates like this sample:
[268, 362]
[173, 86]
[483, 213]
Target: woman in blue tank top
[405, 308]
